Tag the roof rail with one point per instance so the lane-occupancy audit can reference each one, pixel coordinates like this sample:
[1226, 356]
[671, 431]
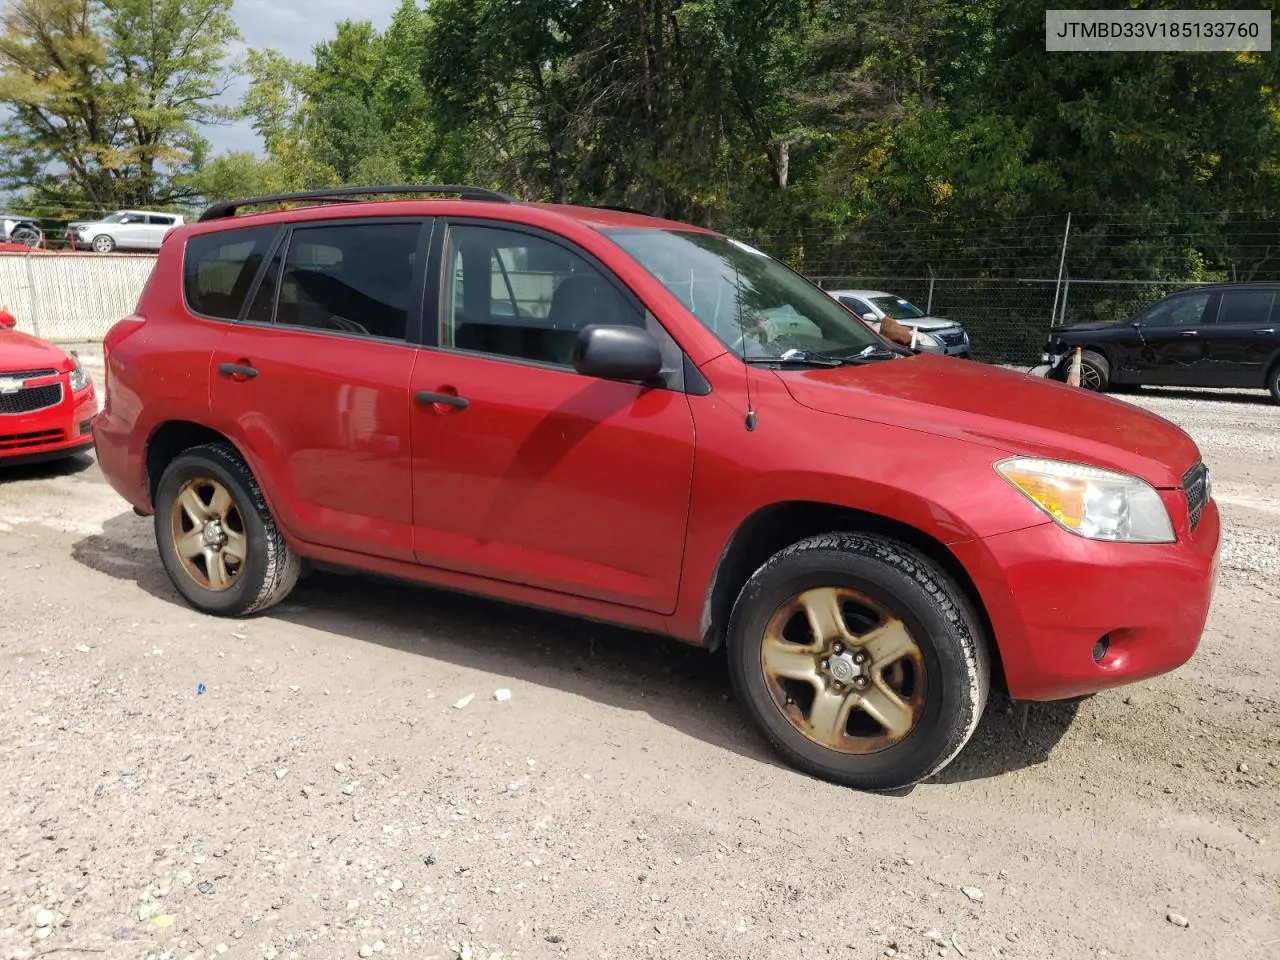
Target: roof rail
[228, 208]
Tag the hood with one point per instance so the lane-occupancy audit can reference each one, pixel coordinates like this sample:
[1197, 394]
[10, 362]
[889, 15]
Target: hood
[1086, 326]
[1003, 409]
[929, 323]
[21, 351]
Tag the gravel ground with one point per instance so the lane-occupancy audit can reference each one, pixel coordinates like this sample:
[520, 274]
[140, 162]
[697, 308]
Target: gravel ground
[339, 778]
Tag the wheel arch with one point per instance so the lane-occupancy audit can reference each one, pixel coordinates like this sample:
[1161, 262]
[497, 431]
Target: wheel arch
[169, 439]
[779, 525]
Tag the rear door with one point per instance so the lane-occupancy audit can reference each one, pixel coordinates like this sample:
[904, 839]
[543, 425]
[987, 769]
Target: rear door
[1243, 341]
[1175, 334]
[526, 471]
[157, 226]
[313, 382]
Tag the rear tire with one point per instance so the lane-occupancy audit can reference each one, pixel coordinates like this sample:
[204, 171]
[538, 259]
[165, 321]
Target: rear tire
[218, 541]
[859, 660]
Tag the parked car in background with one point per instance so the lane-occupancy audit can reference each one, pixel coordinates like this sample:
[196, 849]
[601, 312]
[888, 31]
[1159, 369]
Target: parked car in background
[933, 334]
[1223, 335]
[47, 401]
[20, 229]
[123, 230]
[648, 423]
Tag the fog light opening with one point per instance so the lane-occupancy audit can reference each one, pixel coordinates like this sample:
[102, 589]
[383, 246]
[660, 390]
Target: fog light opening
[1101, 647]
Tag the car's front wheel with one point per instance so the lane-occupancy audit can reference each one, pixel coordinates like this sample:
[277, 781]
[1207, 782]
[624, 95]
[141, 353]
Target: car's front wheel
[1273, 382]
[859, 660]
[103, 244]
[217, 538]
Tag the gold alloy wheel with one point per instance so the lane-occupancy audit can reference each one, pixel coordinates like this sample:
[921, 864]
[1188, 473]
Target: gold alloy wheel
[843, 670]
[208, 534]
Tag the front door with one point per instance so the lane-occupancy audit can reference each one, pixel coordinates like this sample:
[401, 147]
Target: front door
[316, 379]
[525, 470]
[1175, 333]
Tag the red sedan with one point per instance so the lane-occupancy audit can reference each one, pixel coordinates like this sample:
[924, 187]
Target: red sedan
[47, 401]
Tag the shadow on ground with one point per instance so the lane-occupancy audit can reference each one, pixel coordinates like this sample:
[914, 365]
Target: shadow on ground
[1257, 398]
[678, 685]
[45, 469]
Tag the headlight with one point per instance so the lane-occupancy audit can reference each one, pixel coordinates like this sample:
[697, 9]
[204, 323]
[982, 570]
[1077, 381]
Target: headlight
[926, 339]
[1091, 502]
[79, 379]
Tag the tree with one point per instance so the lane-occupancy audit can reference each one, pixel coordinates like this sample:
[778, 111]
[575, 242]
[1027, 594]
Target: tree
[107, 97]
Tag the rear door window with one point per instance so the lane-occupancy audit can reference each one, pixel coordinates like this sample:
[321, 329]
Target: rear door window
[1247, 307]
[218, 269]
[355, 278]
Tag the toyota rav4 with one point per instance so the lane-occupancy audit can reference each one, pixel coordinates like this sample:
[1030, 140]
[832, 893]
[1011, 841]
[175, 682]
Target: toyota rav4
[643, 422]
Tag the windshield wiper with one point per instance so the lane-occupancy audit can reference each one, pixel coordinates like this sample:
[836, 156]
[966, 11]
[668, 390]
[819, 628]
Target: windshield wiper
[868, 354]
[799, 357]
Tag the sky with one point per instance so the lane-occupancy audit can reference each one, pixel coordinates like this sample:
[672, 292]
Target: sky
[293, 27]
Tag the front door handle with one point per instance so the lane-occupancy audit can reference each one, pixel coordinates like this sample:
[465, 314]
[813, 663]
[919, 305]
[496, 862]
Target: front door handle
[1190, 333]
[238, 371]
[443, 399]
[1270, 331]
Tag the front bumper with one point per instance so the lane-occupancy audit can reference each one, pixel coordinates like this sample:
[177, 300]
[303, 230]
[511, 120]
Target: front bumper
[54, 432]
[1051, 596]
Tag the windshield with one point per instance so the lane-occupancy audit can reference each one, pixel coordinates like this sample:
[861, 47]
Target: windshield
[897, 308]
[756, 306]
[115, 218]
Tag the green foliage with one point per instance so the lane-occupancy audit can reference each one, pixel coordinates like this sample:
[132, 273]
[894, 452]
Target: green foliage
[106, 97]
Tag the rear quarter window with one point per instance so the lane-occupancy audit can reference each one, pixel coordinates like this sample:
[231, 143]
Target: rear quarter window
[218, 268]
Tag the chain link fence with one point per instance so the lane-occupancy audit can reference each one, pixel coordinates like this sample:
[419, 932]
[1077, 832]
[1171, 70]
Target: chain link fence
[1008, 320]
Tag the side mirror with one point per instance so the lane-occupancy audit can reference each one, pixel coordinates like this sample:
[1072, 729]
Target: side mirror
[870, 318]
[617, 352]
[7, 320]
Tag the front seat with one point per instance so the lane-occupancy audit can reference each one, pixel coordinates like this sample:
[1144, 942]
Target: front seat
[578, 302]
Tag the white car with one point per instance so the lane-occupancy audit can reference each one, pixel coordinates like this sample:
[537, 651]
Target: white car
[122, 230]
[932, 334]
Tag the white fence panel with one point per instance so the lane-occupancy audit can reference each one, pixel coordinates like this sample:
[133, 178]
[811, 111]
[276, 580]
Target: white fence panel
[70, 298]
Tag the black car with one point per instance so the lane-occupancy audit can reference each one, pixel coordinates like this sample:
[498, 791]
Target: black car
[1223, 335]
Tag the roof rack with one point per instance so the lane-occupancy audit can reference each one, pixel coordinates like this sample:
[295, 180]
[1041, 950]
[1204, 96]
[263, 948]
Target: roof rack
[228, 208]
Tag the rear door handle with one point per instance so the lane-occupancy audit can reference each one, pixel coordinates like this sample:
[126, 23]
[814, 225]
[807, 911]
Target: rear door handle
[1190, 333]
[237, 370]
[1270, 331]
[444, 399]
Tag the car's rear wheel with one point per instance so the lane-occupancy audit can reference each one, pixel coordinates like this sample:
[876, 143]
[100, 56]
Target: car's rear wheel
[859, 660]
[103, 244]
[217, 538]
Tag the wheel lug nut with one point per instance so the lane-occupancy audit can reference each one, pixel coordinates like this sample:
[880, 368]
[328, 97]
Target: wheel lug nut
[861, 681]
[839, 649]
[824, 663]
[859, 657]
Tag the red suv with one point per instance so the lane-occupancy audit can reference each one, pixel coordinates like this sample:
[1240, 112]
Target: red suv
[643, 422]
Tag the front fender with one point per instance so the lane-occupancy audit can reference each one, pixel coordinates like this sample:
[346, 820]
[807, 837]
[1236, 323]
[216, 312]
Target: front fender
[944, 488]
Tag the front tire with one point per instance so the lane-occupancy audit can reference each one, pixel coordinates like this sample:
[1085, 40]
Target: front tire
[103, 244]
[859, 660]
[1273, 382]
[218, 541]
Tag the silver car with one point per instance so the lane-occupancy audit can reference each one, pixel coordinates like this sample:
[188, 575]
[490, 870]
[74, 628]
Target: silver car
[932, 334]
[122, 230]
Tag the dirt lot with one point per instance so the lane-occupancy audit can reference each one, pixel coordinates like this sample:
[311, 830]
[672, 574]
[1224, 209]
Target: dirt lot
[306, 784]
